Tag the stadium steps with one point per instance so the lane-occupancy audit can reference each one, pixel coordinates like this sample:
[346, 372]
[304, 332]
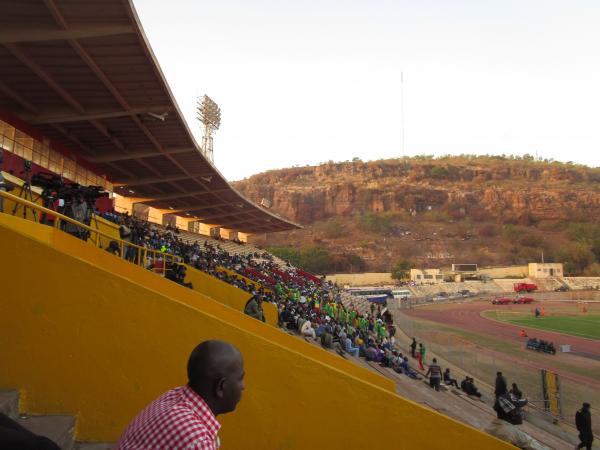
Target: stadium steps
[476, 287]
[582, 283]
[460, 406]
[547, 284]
[229, 246]
[58, 428]
[553, 436]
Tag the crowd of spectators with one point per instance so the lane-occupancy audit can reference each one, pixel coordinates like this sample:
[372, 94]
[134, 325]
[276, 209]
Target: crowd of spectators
[307, 305]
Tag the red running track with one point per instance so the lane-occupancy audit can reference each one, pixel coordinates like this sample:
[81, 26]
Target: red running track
[468, 317]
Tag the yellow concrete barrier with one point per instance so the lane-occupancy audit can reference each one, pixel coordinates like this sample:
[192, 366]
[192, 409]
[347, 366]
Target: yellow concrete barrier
[226, 293]
[85, 340]
[102, 259]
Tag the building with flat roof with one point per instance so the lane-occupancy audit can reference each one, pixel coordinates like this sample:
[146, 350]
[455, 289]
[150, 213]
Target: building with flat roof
[426, 276]
[545, 270]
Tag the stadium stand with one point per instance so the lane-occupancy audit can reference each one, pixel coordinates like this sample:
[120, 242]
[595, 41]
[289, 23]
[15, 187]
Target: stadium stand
[121, 290]
[364, 308]
[88, 336]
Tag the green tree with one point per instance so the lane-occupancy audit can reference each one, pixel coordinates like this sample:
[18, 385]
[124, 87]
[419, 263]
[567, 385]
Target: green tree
[510, 232]
[575, 257]
[286, 253]
[315, 259]
[583, 232]
[333, 229]
[531, 240]
[593, 270]
[376, 223]
[401, 269]
[439, 172]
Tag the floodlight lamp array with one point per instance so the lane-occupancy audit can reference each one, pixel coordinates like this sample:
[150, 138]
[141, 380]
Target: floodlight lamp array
[209, 112]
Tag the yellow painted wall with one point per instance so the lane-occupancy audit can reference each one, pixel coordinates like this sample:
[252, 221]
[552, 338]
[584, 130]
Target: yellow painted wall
[216, 289]
[226, 293]
[503, 272]
[362, 279]
[270, 310]
[106, 227]
[247, 280]
[77, 248]
[102, 347]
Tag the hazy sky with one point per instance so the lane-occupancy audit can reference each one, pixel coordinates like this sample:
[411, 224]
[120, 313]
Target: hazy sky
[309, 81]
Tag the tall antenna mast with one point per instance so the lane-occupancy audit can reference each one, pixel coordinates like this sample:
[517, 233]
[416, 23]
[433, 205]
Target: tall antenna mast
[209, 114]
[402, 109]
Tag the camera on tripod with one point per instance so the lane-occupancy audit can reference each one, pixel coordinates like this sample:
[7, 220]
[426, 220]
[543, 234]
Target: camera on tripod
[54, 187]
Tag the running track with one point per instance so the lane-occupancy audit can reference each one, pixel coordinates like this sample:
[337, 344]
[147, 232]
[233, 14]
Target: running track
[468, 316]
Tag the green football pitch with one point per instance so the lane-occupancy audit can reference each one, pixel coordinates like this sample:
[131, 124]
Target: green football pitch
[584, 326]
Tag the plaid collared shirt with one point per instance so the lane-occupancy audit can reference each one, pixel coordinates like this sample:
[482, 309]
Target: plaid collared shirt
[178, 420]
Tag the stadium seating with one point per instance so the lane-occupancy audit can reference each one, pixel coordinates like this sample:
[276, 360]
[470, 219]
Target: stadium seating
[111, 317]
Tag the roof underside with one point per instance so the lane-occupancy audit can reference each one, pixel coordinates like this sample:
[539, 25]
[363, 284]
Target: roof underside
[83, 73]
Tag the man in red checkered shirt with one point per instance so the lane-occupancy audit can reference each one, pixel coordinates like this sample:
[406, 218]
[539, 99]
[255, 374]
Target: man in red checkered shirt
[184, 417]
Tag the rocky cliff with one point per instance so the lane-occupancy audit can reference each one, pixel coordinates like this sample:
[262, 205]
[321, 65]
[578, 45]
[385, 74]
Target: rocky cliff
[456, 197]
[503, 190]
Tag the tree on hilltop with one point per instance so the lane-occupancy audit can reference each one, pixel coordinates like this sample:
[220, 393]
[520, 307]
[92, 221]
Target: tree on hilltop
[401, 269]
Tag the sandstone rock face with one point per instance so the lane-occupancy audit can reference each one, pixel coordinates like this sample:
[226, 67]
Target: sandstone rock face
[501, 191]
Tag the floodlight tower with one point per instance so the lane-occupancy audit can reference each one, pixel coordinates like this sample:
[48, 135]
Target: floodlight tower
[209, 114]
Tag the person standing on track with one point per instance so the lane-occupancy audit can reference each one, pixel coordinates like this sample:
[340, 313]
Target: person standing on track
[413, 347]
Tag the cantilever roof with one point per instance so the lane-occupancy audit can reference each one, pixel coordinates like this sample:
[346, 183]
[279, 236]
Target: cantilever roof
[82, 72]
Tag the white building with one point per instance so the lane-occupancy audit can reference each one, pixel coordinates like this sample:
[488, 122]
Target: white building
[545, 270]
[426, 276]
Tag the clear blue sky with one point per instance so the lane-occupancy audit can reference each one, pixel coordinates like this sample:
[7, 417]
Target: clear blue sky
[309, 81]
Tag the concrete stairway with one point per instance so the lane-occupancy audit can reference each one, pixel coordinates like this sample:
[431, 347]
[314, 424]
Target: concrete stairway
[464, 408]
[59, 428]
[454, 403]
[229, 246]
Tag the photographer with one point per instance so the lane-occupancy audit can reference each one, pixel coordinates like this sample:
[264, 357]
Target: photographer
[51, 201]
[78, 210]
[126, 234]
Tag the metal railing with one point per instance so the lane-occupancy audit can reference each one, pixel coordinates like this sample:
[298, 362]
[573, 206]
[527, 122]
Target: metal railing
[154, 260]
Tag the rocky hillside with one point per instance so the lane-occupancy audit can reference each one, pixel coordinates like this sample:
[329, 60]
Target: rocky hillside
[491, 210]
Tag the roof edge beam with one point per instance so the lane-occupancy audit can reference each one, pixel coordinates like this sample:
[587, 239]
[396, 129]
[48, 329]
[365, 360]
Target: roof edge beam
[153, 180]
[39, 34]
[50, 119]
[155, 198]
[194, 208]
[138, 155]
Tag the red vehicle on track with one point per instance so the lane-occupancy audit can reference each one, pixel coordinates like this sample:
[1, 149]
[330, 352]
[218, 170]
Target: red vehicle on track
[524, 287]
[523, 300]
[502, 301]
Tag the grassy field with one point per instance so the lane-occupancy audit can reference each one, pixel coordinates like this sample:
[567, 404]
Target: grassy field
[584, 326]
